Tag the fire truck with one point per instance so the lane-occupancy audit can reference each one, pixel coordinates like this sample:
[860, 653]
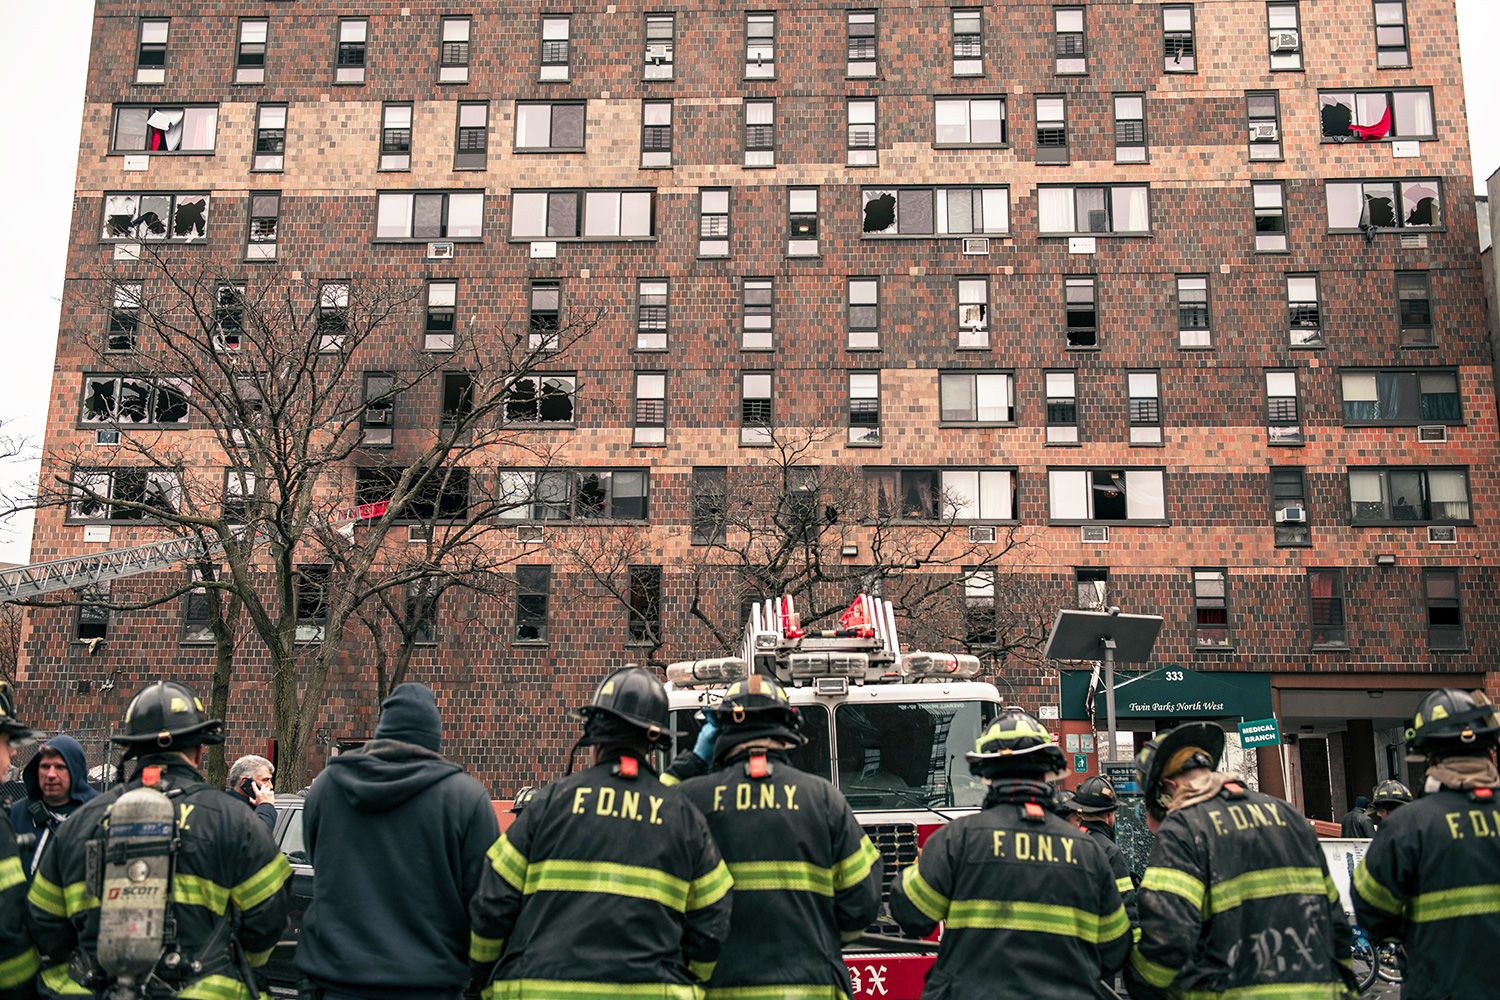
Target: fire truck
[888, 727]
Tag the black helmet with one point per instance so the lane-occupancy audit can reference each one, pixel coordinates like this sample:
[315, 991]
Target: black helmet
[8, 724]
[757, 708]
[1064, 802]
[523, 799]
[1390, 794]
[1015, 745]
[1192, 744]
[629, 705]
[1453, 722]
[167, 716]
[1096, 795]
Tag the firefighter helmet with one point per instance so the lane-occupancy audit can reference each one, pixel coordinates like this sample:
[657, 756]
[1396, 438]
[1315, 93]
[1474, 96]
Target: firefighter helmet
[1453, 722]
[1015, 744]
[1097, 795]
[167, 715]
[1064, 802]
[1190, 745]
[757, 708]
[628, 705]
[523, 798]
[1390, 794]
[8, 724]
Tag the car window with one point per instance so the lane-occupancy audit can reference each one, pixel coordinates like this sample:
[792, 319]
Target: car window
[292, 844]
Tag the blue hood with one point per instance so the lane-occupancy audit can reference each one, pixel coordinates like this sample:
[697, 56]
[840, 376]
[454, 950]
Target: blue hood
[70, 751]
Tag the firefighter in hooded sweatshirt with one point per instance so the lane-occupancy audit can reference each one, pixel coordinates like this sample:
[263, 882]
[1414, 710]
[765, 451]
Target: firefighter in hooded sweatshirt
[806, 877]
[1096, 802]
[18, 959]
[191, 896]
[1236, 902]
[1031, 904]
[1431, 877]
[608, 885]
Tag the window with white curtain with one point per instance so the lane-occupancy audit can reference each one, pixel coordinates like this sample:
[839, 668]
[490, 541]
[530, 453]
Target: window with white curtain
[976, 397]
[1106, 495]
[1409, 495]
[1125, 209]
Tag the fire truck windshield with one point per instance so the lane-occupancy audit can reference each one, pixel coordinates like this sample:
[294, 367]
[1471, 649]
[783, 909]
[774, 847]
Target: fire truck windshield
[814, 758]
[910, 755]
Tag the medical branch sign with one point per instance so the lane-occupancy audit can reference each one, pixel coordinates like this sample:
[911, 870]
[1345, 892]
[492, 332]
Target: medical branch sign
[1264, 733]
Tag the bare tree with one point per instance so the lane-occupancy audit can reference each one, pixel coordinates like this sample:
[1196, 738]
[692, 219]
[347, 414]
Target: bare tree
[300, 460]
[12, 619]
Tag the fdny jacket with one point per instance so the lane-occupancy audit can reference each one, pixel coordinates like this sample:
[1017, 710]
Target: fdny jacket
[18, 960]
[608, 885]
[1431, 878]
[1104, 836]
[1237, 903]
[1031, 905]
[227, 890]
[805, 877]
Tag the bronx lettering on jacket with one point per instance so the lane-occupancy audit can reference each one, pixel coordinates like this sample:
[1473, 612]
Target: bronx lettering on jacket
[629, 806]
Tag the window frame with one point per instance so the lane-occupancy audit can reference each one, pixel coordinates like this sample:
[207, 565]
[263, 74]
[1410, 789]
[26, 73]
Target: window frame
[547, 71]
[1082, 55]
[377, 418]
[867, 331]
[663, 67]
[940, 478]
[99, 619]
[394, 155]
[1144, 145]
[651, 423]
[1278, 210]
[1337, 615]
[1381, 49]
[849, 51]
[151, 402]
[1312, 336]
[757, 433]
[1057, 153]
[581, 216]
[954, 36]
[797, 243]
[537, 586]
[968, 100]
[432, 335]
[169, 235]
[1190, 51]
[644, 625]
[455, 70]
[1389, 95]
[981, 611]
[471, 158]
[246, 70]
[1126, 472]
[342, 76]
[1072, 333]
[152, 72]
[648, 129]
[1144, 431]
[1416, 334]
[939, 210]
[1290, 494]
[126, 296]
[1055, 407]
[1292, 433]
[708, 517]
[234, 307]
[1206, 603]
[947, 377]
[444, 216]
[272, 159]
[551, 107]
[867, 155]
[1415, 373]
[197, 614]
[1293, 63]
[1387, 521]
[1460, 640]
[727, 215]
[863, 434]
[557, 497]
[664, 330]
[1183, 330]
[540, 335]
[972, 336]
[93, 475]
[747, 148]
[1252, 120]
[1398, 187]
[769, 331]
[1109, 209]
[543, 391]
[262, 241]
[760, 15]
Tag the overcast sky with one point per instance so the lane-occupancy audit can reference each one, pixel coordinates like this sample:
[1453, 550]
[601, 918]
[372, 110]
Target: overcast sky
[39, 176]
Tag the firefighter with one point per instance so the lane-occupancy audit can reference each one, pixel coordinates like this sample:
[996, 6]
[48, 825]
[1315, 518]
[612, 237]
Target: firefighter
[609, 882]
[18, 959]
[806, 876]
[1387, 797]
[1029, 899]
[1236, 900]
[1431, 878]
[224, 903]
[1096, 802]
[1065, 804]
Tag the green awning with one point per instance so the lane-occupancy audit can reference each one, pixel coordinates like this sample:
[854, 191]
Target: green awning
[1172, 693]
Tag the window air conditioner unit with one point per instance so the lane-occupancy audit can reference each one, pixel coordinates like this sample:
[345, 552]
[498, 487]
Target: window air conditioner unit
[530, 533]
[1442, 534]
[440, 251]
[106, 437]
[419, 533]
[1285, 41]
[1432, 434]
[379, 415]
[982, 534]
[977, 246]
[1094, 533]
[1263, 130]
[656, 53]
[1291, 515]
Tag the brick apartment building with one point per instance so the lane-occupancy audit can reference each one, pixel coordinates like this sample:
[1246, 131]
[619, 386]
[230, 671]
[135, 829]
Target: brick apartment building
[1189, 292]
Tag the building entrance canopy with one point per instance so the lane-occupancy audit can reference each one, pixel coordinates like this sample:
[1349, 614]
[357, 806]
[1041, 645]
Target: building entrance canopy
[1172, 693]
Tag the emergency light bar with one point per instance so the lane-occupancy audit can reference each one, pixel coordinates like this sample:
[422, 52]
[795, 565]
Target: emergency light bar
[831, 663]
[720, 670]
[919, 665]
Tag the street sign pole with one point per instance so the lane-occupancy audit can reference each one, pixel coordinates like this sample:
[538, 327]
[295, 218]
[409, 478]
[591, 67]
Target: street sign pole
[1109, 701]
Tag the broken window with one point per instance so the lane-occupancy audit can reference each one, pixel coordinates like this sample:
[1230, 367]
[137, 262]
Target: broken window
[1409, 495]
[1091, 585]
[177, 217]
[1414, 308]
[270, 137]
[1401, 397]
[1283, 414]
[533, 584]
[350, 65]
[1269, 206]
[239, 495]
[656, 134]
[541, 399]
[935, 211]
[864, 408]
[970, 397]
[1051, 130]
[915, 494]
[544, 320]
[1373, 115]
[1062, 407]
[129, 401]
[453, 39]
[651, 315]
[1193, 329]
[710, 496]
[197, 616]
[553, 62]
[93, 623]
[1304, 314]
[1072, 55]
[755, 408]
[610, 494]
[151, 55]
[760, 46]
[395, 137]
[250, 56]
[442, 316]
[660, 35]
[1106, 495]
[1355, 206]
[1285, 25]
[973, 312]
[1094, 210]
[378, 418]
[650, 408]
[1289, 506]
[229, 317]
[760, 133]
[644, 615]
[333, 315]
[265, 223]
[553, 215]
[713, 222]
[802, 222]
[1211, 608]
[124, 494]
[863, 59]
[310, 591]
[124, 316]
[1445, 623]
[970, 121]
[968, 43]
[458, 397]
[1081, 316]
[1144, 391]
[429, 215]
[863, 309]
[473, 136]
[550, 126]
[756, 308]
[862, 149]
[1391, 48]
[1130, 128]
[443, 496]
[1179, 45]
[1263, 111]
[421, 611]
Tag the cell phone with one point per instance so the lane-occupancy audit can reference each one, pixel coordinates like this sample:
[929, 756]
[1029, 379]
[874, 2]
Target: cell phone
[247, 787]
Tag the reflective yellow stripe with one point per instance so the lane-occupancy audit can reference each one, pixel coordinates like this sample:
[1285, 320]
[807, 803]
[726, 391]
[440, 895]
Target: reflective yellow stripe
[783, 992]
[706, 890]
[1157, 975]
[798, 876]
[1042, 918]
[1445, 904]
[262, 885]
[703, 970]
[1373, 892]
[669, 780]
[483, 949]
[11, 873]
[77, 899]
[856, 867]
[933, 904]
[20, 969]
[1273, 991]
[1333, 890]
[608, 877]
[558, 989]
[1264, 884]
[56, 979]
[848, 937]
[47, 897]
[509, 863]
[196, 891]
[1135, 935]
[1125, 884]
[214, 988]
[259, 958]
[1178, 882]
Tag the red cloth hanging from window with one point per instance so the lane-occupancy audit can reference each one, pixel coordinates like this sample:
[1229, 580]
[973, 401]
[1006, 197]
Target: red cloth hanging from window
[1367, 133]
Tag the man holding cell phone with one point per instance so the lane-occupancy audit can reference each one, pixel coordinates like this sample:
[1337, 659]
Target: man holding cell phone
[250, 782]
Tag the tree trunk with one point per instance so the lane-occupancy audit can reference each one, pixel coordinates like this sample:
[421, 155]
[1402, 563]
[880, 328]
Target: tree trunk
[216, 768]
